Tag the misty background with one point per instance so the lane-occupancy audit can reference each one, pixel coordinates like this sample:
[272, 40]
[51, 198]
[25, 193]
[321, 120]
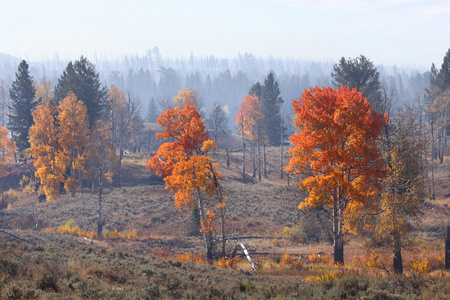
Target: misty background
[153, 77]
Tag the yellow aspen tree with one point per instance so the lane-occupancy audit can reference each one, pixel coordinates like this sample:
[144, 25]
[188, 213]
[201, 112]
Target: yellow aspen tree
[121, 122]
[101, 158]
[49, 159]
[186, 97]
[73, 135]
[7, 148]
[44, 91]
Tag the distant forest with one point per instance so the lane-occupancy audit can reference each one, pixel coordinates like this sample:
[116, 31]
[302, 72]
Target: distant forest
[152, 78]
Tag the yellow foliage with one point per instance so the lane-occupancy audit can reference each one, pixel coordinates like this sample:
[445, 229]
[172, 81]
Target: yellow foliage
[421, 266]
[318, 259]
[125, 235]
[230, 263]
[289, 261]
[322, 278]
[70, 228]
[48, 229]
[7, 148]
[9, 206]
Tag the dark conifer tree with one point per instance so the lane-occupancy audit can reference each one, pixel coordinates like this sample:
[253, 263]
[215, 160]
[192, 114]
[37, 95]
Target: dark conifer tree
[271, 103]
[359, 73]
[22, 94]
[82, 79]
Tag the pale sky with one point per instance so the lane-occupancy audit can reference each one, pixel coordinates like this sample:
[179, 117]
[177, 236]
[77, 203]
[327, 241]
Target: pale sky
[401, 32]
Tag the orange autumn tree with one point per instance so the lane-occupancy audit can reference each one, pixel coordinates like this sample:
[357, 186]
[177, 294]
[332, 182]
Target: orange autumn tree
[7, 148]
[186, 97]
[49, 159]
[187, 170]
[73, 134]
[336, 144]
[249, 120]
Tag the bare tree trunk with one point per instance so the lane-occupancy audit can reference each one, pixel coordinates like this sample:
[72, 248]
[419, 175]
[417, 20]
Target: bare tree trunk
[149, 139]
[243, 159]
[447, 249]
[120, 164]
[433, 149]
[259, 159]
[338, 238]
[207, 235]
[99, 221]
[264, 159]
[281, 154]
[228, 158]
[397, 263]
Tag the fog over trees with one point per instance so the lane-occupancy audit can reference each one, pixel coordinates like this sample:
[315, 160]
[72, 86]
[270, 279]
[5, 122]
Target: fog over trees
[216, 80]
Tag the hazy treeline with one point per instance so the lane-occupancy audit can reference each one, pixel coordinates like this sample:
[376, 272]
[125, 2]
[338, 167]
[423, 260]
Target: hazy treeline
[217, 80]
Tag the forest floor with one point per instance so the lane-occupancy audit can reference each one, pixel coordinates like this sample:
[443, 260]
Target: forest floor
[153, 260]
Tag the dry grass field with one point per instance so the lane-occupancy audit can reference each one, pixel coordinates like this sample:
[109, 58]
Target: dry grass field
[163, 261]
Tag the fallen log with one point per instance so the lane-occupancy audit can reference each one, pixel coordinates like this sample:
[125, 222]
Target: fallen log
[18, 237]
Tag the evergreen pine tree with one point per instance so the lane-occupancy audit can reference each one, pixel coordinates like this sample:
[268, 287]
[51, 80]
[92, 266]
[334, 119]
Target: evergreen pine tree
[82, 79]
[152, 112]
[271, 106]
[359, 73]
[22, 94]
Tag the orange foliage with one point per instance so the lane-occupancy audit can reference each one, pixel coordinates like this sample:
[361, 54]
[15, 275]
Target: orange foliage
[290, 261]
[336, 143]
[73, 134]
[185, 97]
[249, 117]
[49, 159]
[7, 148]
[183, 163]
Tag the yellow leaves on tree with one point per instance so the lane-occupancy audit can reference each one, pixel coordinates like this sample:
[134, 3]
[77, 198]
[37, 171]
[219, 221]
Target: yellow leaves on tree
[7, 148]
[249, 118]
[44, 92]
[49, 160]
[58, 148]
[336, 144]
[73, 135]
[185, 97]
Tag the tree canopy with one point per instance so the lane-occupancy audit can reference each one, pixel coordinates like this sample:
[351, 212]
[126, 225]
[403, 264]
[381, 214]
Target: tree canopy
[336, 145]
[359, 73]
[82, 79]
[22, 94]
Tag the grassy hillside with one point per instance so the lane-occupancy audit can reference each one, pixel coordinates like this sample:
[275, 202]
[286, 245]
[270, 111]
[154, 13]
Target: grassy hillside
[151, 265]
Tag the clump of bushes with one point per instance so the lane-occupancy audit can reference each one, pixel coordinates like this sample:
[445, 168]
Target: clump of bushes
[70, 228]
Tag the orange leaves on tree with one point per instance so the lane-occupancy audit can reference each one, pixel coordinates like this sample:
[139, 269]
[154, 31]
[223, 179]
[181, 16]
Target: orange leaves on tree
[183, 163]
[49, 160]
[336, 141]
[249, 117]
[7, 148]
[73, 135]
[185, 97]
[58, 148]
[336, 145]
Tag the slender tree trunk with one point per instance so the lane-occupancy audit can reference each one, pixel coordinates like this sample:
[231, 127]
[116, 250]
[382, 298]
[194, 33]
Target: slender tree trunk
[281, 154]
[447, 249]
[264, 159]
[120, 164]
[433, 149]
[149, 139]
[243, 159]
[207, 235]
[228, 159]
[99, 221]
[222, 222]
[397, 263]
[259, 158]
[338, 238]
